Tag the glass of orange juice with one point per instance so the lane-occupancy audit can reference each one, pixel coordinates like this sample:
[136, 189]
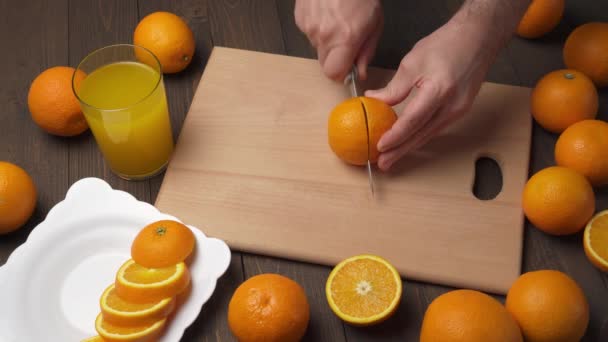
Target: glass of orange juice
[124, 102]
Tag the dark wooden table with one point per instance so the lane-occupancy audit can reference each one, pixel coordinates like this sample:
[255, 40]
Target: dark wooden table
[36, 35]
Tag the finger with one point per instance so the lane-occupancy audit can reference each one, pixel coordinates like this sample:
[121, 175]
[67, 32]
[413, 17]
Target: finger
[388, 159]
[413, 117]
[338, 61]
[397, 89]
[368, 49]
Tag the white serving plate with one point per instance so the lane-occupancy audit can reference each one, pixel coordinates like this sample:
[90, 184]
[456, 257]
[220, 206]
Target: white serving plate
[50, 286]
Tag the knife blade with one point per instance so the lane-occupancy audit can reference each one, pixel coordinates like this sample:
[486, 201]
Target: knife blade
[352, 80]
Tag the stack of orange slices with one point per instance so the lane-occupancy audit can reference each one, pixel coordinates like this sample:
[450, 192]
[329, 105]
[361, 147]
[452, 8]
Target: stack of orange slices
[148, 287]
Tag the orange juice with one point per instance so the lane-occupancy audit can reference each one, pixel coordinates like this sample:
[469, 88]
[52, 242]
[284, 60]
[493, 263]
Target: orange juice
[126, 108]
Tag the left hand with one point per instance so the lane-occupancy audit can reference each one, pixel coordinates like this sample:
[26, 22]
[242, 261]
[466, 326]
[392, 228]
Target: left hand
[447, 68]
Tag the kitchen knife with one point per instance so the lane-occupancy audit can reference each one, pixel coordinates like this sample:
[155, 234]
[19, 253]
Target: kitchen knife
[352, 82]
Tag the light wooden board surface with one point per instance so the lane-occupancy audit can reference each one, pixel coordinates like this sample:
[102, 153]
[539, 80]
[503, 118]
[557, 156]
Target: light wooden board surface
[252, 166]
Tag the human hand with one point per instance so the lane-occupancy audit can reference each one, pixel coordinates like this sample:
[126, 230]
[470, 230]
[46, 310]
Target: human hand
[344, 32]
[444, 72]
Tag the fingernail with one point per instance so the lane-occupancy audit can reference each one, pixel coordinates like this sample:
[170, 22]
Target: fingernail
[381, 146]
[384, 166]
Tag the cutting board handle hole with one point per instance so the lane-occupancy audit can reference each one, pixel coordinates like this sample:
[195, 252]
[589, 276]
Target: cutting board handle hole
[488, 179]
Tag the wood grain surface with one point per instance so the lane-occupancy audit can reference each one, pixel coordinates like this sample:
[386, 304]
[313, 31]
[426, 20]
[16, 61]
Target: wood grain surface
[252, 166]
[36, 35]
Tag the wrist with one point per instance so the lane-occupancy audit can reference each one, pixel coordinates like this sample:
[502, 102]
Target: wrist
[491, 23]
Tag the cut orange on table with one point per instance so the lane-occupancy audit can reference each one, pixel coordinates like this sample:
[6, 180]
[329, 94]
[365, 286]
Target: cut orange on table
[141, 333]
[162, 244]
[118, 311]
[139, 284]
[595, 240]
[364, 290]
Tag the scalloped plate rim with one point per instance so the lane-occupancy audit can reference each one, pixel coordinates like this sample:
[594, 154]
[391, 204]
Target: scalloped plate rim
[38, 233]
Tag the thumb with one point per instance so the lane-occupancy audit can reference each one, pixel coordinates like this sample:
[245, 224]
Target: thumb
[338, 62]
[396, 90]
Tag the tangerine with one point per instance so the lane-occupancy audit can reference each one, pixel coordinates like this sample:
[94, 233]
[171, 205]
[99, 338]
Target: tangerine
[17, 197]
[541, 17]
[467, 315]
[52, 102]
[586, 50]
[548, 306]
[558, 200]
[269, 308]
[583, 147]
[168, 37]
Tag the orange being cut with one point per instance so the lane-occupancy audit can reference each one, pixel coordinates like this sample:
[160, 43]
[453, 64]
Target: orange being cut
[121, 312]
[138, 284]
[595, 240]
[162, 243]
[364, 290]
[347, 131]
[117, 333]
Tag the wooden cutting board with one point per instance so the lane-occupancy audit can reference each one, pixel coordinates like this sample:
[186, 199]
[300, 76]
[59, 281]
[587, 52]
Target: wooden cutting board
[252, 166]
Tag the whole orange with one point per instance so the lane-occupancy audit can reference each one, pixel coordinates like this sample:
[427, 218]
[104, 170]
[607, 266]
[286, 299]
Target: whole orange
[467, 315]
[563, 97]
[583, 147]
[17, 197]
[347, 131]
[540, 18]
[586, 50]
[269, 308]
[548, 306]
[162, 243]
[52, 102]
[168, 37]
[558, 200]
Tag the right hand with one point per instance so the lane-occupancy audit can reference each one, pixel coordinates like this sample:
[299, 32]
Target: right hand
[344, 32]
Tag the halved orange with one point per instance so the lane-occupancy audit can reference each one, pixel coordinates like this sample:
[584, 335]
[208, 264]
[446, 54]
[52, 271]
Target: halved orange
[141, 333]
[364, 289]
[595, 240]
[119, 311]
[93, 339]
[138, 284]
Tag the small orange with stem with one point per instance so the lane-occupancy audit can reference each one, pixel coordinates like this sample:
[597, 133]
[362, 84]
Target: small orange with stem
[162, 244]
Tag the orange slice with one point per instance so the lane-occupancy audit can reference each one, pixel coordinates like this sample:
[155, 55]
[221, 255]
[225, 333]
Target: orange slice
[93, 339]
[119, 311]
[363, 290]
[116, 333]
[595, 240]
[138, 284]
